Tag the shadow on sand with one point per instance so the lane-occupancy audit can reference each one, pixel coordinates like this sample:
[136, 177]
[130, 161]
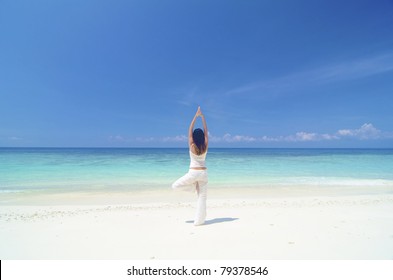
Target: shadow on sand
[216, 221]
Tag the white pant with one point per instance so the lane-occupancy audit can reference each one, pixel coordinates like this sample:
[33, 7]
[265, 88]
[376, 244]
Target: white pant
[189, 182]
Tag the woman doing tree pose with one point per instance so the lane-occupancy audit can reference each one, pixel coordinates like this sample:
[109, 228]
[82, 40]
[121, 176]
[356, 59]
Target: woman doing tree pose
[196, 178]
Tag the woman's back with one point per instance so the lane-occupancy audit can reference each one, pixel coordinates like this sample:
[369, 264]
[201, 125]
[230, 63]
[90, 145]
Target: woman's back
[197, 161]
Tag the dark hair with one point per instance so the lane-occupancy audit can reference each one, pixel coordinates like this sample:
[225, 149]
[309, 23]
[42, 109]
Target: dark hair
[198, 136]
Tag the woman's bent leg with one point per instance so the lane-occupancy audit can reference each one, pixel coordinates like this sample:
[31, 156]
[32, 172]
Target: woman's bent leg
[186, 182]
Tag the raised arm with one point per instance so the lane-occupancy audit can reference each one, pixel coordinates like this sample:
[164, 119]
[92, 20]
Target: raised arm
[205, 130]
[191, 128]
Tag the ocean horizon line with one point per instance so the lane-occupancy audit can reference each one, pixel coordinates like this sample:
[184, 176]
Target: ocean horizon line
[234, 148]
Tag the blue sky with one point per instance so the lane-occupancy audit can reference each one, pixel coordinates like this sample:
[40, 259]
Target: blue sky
[131, 73]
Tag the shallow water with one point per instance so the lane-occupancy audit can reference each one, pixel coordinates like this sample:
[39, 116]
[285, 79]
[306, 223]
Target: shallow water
[106, 169]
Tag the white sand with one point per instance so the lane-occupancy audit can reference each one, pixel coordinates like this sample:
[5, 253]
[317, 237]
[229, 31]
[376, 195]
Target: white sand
[241, 224]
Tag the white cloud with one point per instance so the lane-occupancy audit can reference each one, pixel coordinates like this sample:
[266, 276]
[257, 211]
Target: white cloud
[345, 132]
[178, 138]
[365, 132]
[299, 137]
[329, 137]
[15, 138]
[305, 136]
[139, 139]
[117, 138]
[228, 138]
[144, 139]
[125, 139]
[238, 138]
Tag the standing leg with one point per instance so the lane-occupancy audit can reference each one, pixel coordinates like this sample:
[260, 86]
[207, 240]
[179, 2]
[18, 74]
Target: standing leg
[200, 215]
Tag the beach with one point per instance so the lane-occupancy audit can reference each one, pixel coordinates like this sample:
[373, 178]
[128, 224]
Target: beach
[279, 204]
[286, 224]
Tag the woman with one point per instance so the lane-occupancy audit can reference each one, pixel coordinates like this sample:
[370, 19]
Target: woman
[196, 178]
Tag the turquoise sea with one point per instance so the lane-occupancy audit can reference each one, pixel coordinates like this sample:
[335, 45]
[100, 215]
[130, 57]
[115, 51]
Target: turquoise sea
[122, 169]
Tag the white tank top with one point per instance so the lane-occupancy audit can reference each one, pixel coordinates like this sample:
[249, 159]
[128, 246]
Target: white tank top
[197, 160]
